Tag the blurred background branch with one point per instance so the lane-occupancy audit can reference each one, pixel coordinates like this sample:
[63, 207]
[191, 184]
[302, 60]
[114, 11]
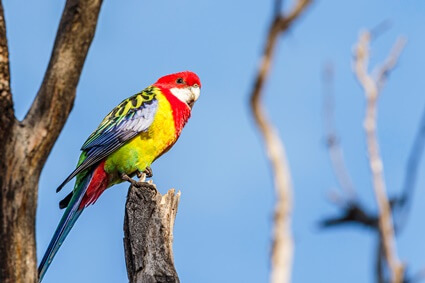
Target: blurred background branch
[371, 88]
[403, 203]
[332, 140]
[352, 209]
[282, 246]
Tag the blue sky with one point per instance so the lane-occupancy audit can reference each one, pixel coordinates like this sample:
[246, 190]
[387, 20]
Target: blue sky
[222, 231]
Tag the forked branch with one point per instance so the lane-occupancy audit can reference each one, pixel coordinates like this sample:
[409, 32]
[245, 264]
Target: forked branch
[55, 98]
[24, 146]
[372, 87]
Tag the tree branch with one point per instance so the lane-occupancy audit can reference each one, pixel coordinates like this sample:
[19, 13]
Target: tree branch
[24, 146]
[7, 116]
[50, 109]
[332, 140]
[415, 155]
[148, 235]
[371, 88]
[390, 63]
[282, 246]
[352, 212]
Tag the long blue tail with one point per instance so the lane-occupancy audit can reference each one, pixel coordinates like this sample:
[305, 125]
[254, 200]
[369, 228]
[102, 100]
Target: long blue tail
[69, 217]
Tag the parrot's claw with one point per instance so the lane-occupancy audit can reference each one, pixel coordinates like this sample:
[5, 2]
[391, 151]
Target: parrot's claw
[140, 184]
[148, 173]
[140, 175]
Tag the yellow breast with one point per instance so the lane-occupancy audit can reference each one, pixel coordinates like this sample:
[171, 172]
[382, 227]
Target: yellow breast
[142, 150]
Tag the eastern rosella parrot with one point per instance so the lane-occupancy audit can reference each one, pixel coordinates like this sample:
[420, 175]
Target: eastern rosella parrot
[133, 135]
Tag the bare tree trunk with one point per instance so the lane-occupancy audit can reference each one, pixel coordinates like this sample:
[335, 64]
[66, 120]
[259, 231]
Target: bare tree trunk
[148, 235]
[25, 145]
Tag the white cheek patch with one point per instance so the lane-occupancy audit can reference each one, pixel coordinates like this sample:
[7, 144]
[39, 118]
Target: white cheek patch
[183, 94]
[186, 95]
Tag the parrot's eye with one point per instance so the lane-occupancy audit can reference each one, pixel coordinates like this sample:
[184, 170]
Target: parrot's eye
[180, 81]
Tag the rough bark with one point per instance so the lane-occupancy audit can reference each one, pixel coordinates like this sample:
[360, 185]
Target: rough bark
[148, 235]
[25, 145]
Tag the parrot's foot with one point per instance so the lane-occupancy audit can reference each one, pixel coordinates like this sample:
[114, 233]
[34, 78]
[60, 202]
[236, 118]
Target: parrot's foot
[148, 173]
[127, 178]
[140, 184]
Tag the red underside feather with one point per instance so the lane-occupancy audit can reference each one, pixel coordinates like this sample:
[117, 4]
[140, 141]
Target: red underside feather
[98, 184]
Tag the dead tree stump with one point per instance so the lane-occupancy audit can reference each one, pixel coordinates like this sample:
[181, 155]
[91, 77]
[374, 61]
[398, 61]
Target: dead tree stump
[148, 235]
